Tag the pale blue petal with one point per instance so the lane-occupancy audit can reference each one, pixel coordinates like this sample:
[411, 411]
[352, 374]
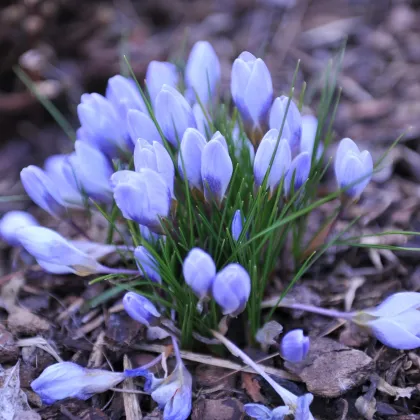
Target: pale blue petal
[147, 264]
[299, 169]
[160, 73]
[141, 126]
[396, 304]
[258, 411]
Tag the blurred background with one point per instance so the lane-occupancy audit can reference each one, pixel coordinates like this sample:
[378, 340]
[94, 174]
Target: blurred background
[68, 47]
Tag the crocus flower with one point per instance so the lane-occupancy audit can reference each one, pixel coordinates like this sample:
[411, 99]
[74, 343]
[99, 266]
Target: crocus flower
[202, 72]
[102, 125]
[199, 271]
[92, 171]
[292, 128]
[173, 114]
[216, 170]
[231, 289]
[190, 156]
[252, 89]
[141, 309]
[307, 140]
[147, 264]
[302, 409]
[261, 412]
[43, 191]
[395, 322]
[298, 173]
[353, 169]
[12, 222]
[237, 225]
[294, 346]
[54, 253]
[160, 73]
[200, 119]
[69, 380]
[124, 94]
[263, 157]
[154, 156]
[141, 126]
[142, 196]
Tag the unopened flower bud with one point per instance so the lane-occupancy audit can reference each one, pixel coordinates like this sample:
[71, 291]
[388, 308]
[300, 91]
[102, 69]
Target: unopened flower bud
[141, 309]
[294, 346]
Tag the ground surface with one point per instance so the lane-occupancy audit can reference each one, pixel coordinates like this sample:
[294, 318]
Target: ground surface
[72, 46]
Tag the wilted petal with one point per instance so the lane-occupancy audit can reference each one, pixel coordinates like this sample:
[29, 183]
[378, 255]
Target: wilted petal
[147, 264]
[11, 222]
[141, 309]
[302, 409]
[141, 126]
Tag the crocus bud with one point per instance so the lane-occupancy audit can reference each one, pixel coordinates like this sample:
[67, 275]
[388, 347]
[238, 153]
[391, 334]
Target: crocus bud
[102, 125]
[141, 126]
[243, 145]
[261, 412]
[395, 322]
[148, 235]
[69, 380]
[143, 197]
[147, 264]
[216, 170]
[252, 89]
[281, 162]
[292, 128]
[160, 73]
[294, 346]
[11, 222]
[307, 140]
[124, 94]
[141, 309]
[173, 114]
[202, 72]
[43, 191]
[199, 271]
[201, 120]
[154, 156]
[298, 173]
[231, 289]
[54, 253]
[93, 171]
[189, 157]
[237, 225]
[353, 169]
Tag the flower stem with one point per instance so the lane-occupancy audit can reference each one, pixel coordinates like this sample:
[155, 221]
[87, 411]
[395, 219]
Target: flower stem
[316, 310]
[108, 270]
[176, 349]
[140, 371]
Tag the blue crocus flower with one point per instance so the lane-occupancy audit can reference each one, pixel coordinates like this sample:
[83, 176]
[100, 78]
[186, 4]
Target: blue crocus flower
[261, 412]
[142, 196]
[353, 169]
[216, 169]
[173, 114]
[231, 289]
[160, 73]
[199, 271]
[281, 162]
[147, 264]
[252, 89]
[141, 309]
[141, 126]
[237, 225]
[69, 380]
[200, 119]
[298, 172]
[395, 322]
[43, 191]
[292, 128]
[294, 346]
[307, 140]
[154, 156]
[202, 72]
[12, 222]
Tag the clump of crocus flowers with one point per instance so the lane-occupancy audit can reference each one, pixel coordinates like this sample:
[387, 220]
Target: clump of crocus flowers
[201, 197]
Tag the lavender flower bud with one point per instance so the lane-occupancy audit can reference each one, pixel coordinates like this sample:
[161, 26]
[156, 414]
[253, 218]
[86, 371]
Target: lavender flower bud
[199, 271]
[12, 222]
[281, 162]
[294, 346]
[231, 289]
[69, 380]
[251, 88]
[147, 264]
[202, 72]
[190, 156]
[54, 253]
[160, 73]
[292, 128]
[141, 309]
[43, 191]
[216, 170]
[307, 141]
[298, 172]
[174, 114]
[352, 165]
[154, 156]
[141, 126]
[237, 225]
